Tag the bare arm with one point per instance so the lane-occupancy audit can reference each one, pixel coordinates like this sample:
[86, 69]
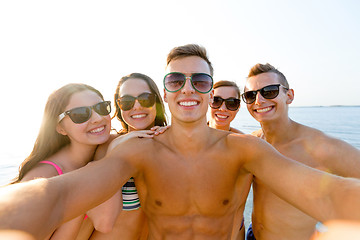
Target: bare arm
[104, 215]
[39, 206]
[339, 157]
[319, 194]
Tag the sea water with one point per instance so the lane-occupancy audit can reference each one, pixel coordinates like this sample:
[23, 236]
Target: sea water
[342, 122]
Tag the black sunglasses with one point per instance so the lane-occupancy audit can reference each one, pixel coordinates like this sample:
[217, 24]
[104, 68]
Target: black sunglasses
[82, 114]
[127, 102]
[268, 92]
[175, 81]
[231, 103]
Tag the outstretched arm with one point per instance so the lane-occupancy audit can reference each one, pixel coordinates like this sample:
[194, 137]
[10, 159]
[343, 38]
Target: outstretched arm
[339, 157]
[104, 216]
[321, 195]
[39, 206]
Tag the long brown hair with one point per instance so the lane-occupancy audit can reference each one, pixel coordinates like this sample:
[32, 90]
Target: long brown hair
[160, 119]
[49, 141]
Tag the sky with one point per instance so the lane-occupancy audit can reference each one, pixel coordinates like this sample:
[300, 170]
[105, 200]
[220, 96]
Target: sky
[47, 44]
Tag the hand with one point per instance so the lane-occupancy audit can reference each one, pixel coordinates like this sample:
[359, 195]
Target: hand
[154, 131]
[337, 230]
[158, 130]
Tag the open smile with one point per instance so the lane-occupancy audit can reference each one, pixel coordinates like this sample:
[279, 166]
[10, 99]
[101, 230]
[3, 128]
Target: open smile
[221, 116]
[188, 103]
[263, 110]
[138, 116]
[97, 130]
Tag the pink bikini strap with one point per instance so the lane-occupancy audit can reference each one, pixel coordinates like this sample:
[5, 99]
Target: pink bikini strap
[58, 169]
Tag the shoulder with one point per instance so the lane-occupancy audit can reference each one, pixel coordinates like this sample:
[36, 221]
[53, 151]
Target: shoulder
[317, 140]
[41, 170]
[101, 149]
[134, 146]
[323, 146]
[234, 130]
[246, 143]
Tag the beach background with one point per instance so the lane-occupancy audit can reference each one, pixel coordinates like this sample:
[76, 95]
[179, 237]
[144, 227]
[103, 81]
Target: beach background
[342, 122]
[47, 44]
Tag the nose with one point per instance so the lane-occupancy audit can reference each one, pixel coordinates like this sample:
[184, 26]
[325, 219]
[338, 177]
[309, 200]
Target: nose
[137, 105]
[259, 98]
[95, 117]
[223, 106]
[188, 88]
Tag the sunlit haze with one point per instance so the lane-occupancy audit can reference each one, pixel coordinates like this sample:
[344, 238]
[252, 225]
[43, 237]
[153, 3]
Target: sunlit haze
[47, 44]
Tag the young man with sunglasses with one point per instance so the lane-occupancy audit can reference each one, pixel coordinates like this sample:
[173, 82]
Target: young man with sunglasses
[268, 95]
[225, 105]
[191, 179]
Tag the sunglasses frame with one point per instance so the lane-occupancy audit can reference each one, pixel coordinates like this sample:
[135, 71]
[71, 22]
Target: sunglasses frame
[191, 80]
[136, 99]
[226, 103]
[68, 112]
[261, 91]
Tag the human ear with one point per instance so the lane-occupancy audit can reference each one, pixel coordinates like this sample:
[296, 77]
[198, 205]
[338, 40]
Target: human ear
[290, 96]
[60, 129]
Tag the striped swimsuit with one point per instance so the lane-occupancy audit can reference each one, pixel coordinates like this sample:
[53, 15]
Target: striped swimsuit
[130, 196]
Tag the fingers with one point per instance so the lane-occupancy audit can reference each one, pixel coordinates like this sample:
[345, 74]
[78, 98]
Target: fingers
[158, 130]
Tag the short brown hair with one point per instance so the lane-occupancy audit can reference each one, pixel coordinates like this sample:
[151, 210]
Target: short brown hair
[188, 51]
[264, 68]
[225, 83]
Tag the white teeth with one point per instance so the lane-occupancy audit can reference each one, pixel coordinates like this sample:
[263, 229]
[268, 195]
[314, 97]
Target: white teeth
[97, 130]
[263, 110]
[187, 104]
[138, 116]
[221, 116]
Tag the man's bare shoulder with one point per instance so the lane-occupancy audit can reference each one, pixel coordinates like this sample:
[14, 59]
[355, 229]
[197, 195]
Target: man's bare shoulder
[325, 148]
[102, 148]
[235, 130]
[317, 140]
[246, 143]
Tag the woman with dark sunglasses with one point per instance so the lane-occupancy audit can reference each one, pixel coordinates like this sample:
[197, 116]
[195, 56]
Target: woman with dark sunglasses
[139, 107]
[223, 110]
[225, 105]
[76, 120]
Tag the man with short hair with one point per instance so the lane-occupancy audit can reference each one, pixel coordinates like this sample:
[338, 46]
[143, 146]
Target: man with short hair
[268, 95]
[191, 179]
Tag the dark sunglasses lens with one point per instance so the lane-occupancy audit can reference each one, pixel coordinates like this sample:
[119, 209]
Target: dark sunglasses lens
[202, 82]
[174, 81]
[103, 108]
[126, 103]
[270, 92]
[80, 115]
[249, 97]
[146, 99]
[232, 104]
[216, 102]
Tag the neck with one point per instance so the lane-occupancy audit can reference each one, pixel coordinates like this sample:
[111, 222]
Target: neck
[213, 124]
[80, 155]
[188, 137]
[278, 132]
